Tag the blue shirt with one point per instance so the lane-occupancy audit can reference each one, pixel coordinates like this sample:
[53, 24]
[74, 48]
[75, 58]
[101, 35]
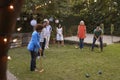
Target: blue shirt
[34, 44]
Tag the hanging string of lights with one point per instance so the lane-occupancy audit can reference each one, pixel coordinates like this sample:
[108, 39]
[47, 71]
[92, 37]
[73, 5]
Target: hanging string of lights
[8, 4]
[4, 35]
[42, 5]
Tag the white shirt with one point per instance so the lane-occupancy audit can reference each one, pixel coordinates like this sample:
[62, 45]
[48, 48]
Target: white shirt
[43, 34]
[59, 30]
[48, 30]
[59, 35]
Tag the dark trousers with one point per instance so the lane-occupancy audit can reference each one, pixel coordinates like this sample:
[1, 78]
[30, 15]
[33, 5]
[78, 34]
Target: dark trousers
[101, 43]
[81, 43]
[42, 44]
[33, 61]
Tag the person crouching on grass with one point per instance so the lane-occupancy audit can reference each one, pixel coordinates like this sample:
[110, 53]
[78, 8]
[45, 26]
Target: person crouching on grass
[98, 36]
[34, 46]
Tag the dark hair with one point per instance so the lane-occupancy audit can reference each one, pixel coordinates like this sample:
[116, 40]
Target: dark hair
[38, 27]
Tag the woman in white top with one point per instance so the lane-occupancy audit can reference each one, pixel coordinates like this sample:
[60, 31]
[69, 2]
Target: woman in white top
[43, 35]
[48, 32]
[59, 35]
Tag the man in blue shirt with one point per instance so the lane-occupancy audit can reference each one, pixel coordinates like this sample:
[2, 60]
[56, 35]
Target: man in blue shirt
[34, 46]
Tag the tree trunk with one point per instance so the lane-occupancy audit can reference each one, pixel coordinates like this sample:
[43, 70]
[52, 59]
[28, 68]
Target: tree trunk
[7, 24]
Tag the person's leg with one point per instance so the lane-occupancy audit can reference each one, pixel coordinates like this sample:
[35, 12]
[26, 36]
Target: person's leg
[46, 45]
[33, 61]
[39, 54]
[79, 43]
[38, 51]
[101, 44]
[48, 41]
[82, 43]
[62, 42]
[58, 43]
[41, 44]
[43, 47]
[93, 44]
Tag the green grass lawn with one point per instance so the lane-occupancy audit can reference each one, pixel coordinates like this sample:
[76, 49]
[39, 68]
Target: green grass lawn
[68, 63]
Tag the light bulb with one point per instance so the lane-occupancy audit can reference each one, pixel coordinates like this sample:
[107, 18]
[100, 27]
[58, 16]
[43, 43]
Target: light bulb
[11, 7]
[14, 40]
[45, 3]
[49, 1]
[9, 58]
[19, 29]
[5, 39]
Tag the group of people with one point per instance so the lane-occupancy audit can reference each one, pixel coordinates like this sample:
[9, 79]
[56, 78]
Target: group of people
[81, 34]
[41, 36]
[40, 41]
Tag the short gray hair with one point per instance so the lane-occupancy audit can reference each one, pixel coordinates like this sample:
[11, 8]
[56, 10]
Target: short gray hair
[82, 22]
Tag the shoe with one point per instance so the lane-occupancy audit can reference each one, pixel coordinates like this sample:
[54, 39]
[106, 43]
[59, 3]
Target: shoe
[41, 70]
[38, 57]
[36, 70]
[47, 47]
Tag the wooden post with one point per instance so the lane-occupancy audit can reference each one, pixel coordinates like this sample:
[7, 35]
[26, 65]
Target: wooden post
[9, 11]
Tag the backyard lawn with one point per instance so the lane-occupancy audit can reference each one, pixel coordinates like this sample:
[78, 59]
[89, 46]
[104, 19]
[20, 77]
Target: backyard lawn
[68, 63]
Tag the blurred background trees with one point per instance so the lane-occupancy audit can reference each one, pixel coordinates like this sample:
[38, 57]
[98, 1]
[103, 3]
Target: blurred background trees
[70, 12]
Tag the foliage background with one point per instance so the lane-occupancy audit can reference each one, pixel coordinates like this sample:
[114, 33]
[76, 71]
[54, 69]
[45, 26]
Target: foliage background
[70, 12]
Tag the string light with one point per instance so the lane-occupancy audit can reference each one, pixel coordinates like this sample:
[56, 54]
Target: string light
[9, 58]
[95, 0]
[49, 1]
[19, 29]
[42, 5]
[5, 39]
[18, 19]
[11, 7]
[25, 19]
[45, 3]
[38, 7]
[14, 40]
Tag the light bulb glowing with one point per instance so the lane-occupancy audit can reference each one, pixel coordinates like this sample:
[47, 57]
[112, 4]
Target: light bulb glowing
[57, 21]
[45, 3]
[49, 1]
[95, 0]
[19, 29]
[5, 39]
[11, 7]
[14, 40]
[18, 19]
[9, 58]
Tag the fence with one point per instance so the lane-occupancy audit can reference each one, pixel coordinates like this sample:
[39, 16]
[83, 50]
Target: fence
[20, 39]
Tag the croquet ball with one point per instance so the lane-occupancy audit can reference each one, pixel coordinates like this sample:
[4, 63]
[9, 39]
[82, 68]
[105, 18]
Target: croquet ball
[99, 72]
[87, 75]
